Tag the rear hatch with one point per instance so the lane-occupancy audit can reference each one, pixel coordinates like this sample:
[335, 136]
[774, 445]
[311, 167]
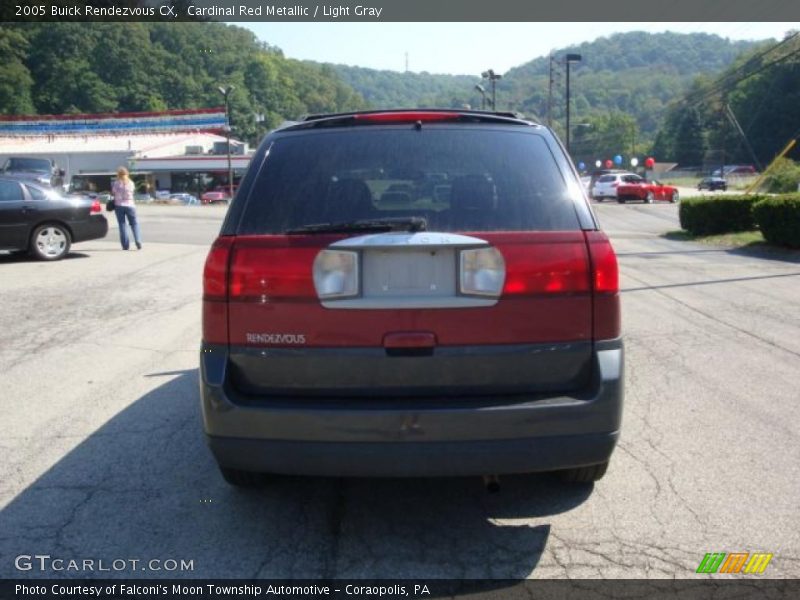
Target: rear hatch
[408, 260]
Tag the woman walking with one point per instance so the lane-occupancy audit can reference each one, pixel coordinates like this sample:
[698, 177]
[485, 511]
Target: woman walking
[122, 190]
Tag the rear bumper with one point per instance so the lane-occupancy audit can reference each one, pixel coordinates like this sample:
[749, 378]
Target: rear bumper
[414, 437]
[93, 228]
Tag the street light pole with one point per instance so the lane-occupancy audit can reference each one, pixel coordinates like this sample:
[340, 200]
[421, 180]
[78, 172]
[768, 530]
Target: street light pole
[226, 91]
[570, 58]
[481, 89]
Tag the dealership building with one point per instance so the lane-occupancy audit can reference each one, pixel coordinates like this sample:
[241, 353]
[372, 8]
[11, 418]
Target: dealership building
[176, 151]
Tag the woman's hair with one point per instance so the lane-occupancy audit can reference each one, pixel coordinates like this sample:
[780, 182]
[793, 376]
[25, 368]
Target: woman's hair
[122, 173]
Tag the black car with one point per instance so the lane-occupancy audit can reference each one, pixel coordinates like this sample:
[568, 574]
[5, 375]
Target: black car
[713, 183]
[44, 221]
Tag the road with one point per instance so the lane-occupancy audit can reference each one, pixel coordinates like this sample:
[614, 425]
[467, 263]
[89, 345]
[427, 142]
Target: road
[103, 455]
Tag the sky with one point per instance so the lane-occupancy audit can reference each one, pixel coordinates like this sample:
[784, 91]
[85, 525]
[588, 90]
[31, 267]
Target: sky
[465, 48]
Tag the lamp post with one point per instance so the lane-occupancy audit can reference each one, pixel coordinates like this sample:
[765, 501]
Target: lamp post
[493, 77]
[569, 59]
[481, 89]
[226, 92]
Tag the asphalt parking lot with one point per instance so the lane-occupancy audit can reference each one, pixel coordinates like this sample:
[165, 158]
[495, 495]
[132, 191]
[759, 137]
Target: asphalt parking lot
[103, 455]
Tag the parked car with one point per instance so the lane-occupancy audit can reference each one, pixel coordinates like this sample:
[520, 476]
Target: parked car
[187, 199]
[36, 170]
[636, 188]
[606, 185]
[473, 332]
[738, 170]
[713, 183]
[44, 221]
[214, 197]
[598, 173]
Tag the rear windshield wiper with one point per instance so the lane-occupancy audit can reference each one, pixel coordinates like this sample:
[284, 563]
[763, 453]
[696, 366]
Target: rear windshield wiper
[378, 225]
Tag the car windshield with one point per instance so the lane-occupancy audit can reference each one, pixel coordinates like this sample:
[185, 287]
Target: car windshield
[33, 165]
[454, 179]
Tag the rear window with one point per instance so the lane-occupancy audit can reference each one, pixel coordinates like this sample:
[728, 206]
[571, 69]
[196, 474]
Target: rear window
[457, 179]
[607, 179]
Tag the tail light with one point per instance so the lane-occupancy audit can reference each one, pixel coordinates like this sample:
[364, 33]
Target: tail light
[482, 272]
[407, 117]
[615, 184]
[215, 292]
[605, 284]
[546, 269]
[96, 208]
[260, 272]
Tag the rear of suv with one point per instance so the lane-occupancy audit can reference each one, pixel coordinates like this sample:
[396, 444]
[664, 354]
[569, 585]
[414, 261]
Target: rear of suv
[411, 293]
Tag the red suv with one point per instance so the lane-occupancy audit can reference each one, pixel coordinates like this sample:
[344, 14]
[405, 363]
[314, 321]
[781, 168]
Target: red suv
[411, 293]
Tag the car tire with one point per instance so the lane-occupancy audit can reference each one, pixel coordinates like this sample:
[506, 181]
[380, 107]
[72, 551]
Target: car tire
[584, 474]
[50, 241]
[649, 198]
[239, 478]
[675, 197]
[621, 200]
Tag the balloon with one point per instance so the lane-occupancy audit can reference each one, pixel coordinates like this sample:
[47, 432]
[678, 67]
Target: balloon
[617, 160]
[634, 161]
[598, 163]
[582, 166]
[649, 162]
[609, 164]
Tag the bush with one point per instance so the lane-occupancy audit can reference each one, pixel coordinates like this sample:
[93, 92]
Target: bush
[784, 177]
[721, 214]
[779, 219]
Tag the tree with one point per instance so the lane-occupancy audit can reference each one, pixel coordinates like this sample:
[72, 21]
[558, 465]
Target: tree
[690, 141]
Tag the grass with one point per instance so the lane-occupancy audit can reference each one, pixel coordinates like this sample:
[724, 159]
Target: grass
[739, 239]
[751, 243]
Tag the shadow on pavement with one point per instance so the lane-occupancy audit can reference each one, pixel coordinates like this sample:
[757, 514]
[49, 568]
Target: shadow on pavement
[21, 257]
[144, 486]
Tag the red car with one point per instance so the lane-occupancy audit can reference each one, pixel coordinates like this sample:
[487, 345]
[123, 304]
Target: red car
[470, 328]
[214, 197]
[646, 191]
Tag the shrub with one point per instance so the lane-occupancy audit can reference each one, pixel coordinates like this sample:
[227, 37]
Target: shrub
[779, 219]
[784, 177]
[721, 214]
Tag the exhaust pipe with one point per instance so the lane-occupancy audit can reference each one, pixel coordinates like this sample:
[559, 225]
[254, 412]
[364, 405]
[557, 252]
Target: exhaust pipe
[492, 483]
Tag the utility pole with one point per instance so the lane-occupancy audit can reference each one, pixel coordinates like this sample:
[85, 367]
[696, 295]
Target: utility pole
[569, 59]
[492, 77]
[226, 92]
[732, 118]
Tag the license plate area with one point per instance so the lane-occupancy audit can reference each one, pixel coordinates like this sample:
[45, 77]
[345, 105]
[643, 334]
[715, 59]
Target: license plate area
[409, 273]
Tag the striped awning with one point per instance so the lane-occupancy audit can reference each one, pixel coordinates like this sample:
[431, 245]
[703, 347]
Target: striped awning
[202, 119]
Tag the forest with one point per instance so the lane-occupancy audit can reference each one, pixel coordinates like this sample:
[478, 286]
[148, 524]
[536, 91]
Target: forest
[664, 94]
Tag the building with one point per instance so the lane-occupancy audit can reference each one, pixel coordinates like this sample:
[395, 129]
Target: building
[174, 151]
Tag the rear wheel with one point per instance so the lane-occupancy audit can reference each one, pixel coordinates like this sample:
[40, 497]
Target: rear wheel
[649, 198]
[675, 197]
[584, 474]
[50, 241]
[621, 200]
[239, 478]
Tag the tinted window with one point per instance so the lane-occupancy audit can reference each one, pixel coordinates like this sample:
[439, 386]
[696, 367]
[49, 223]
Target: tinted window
[607, 179]
[458, 179]
[28, 164]
[10, 191]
